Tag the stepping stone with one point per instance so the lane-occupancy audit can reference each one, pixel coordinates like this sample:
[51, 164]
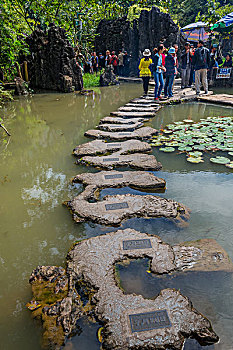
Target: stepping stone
[113, 210]
[143, 180]
[155, 107]
[119, 127]
[160, 323]
[136, 160]
[133, 114]
[136, 109]
[143, 101]
[142, 133]
[115, 120]
[97, 147]
[223, 99]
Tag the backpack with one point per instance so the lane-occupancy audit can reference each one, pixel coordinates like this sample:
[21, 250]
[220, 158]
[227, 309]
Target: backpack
[203, 55]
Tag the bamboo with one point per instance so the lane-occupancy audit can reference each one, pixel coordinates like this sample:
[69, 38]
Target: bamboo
[26, 70]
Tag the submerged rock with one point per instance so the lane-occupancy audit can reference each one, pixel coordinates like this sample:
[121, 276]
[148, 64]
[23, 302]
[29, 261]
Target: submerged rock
[143, 133]
[98, 147]
[131, 321]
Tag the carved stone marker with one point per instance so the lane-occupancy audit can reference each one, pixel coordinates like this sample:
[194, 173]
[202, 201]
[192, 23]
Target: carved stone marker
[114, 176]
[117, 206]
[111, 159]
[137, 244]
[149, 320]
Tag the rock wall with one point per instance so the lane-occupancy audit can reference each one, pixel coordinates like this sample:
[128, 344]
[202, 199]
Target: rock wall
[152, 28]
[52, 63]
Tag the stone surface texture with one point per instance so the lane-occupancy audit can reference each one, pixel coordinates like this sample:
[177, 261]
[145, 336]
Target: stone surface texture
[101, 147]
[115, 120]
[141, 114]
[136, 179]
[108, 78]
[92, 263]
[135, 160]
[119, 127]
[147, 206]
[52, 63]
[142, 133]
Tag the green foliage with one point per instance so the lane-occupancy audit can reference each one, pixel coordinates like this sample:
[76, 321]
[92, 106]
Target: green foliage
[91, 80]
[4, 96]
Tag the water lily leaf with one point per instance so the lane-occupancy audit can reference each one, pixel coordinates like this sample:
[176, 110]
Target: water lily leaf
[220, 160]
[230, 154]
[195, 154]
[229, 165]
[195, 160]
[167, 149]
[188, 121]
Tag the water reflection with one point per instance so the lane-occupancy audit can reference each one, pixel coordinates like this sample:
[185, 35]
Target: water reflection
[36, 229]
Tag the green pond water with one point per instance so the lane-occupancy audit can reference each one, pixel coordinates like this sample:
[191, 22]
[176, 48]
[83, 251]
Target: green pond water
[35, 229]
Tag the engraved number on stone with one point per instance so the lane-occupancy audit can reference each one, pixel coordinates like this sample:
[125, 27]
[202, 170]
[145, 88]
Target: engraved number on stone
[149, 320]
[137, 244]
[116, 206]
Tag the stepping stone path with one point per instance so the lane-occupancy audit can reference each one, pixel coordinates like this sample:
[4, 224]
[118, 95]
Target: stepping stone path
[136, 161]
[114, 120]
[143, 180]
[119, 127]
[98, 147]
[134, 114]
[137, 109]
[144, 133]
[130, 321]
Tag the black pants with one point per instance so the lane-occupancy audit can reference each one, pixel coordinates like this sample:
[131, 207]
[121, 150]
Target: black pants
[146, 81]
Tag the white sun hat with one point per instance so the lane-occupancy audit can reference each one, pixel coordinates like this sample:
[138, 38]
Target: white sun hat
[146, 53]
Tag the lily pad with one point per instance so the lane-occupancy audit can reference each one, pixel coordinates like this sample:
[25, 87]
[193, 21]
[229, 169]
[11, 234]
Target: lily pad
[230, 154]
[229, 165]
[195, 154]
[195, 160]
[220, 160]
[167, 149]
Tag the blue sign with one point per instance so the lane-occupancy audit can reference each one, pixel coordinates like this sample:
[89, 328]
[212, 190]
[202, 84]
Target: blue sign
[223, 73]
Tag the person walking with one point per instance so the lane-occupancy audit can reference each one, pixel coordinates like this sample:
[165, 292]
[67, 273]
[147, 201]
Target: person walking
[158, 70]
[126, 62]
[170, 65]
[121, 63]
[144, 69]
[101, 61]
[186, 62]
[107, 58]
[114, 62]
[95, 63]
[201, 62]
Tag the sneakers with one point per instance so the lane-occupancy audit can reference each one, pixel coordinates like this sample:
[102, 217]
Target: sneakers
[206, 92]
[197, 93]
[156, 99]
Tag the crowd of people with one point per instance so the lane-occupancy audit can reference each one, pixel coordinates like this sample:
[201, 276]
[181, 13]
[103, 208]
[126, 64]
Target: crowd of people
[196, 65]
[120, 62]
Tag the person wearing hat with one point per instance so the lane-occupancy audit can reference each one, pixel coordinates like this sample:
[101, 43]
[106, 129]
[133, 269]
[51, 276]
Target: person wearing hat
[186, 62]
[145, 72]
[170, 65]
[158, 70]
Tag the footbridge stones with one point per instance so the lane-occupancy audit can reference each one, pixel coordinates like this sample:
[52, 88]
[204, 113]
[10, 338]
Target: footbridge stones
[129, 321]
[143, 133]
[112, 210]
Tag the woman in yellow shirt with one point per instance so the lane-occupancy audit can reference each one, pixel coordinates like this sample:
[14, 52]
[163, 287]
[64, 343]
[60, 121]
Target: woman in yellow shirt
[144, 69]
